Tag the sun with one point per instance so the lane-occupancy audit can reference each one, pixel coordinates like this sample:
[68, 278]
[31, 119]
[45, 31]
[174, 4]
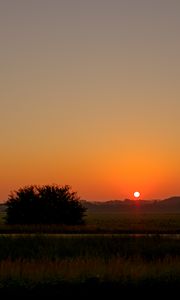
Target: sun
[137, 194]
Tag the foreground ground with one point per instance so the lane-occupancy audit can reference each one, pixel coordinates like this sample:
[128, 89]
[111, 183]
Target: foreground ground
[99, 259]
[119, 262]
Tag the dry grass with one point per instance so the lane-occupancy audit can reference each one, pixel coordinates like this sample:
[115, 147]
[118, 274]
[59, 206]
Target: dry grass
[124, 271]
[29, 261]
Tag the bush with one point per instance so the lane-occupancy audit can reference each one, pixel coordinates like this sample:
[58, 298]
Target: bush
[47, 204]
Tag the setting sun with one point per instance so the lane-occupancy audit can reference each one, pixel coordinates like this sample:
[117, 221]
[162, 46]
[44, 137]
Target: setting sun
[136, 194]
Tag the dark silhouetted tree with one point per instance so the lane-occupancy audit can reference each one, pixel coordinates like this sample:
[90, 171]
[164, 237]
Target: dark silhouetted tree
[47, 204]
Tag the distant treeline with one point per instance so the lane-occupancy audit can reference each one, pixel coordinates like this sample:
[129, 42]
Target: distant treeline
[170, 205]
[167, 205]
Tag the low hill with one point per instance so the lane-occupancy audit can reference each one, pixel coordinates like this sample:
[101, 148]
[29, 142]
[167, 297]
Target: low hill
[172, 203]
[114, 206]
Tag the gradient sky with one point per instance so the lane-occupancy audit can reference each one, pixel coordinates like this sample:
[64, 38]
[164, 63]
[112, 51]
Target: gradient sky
[90, 96]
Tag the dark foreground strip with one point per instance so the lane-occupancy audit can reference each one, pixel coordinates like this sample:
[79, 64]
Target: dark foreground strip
[92, 290]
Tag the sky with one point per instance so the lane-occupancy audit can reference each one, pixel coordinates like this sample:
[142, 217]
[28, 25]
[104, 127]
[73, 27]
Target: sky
[90, 96]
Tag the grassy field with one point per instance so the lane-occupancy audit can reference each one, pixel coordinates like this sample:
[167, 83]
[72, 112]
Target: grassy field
[124, 262]
[136, 223]
[106, 223]
[85, 258]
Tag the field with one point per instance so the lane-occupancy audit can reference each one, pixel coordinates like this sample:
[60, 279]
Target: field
[100, 256]
[101, 223]
[141, 262]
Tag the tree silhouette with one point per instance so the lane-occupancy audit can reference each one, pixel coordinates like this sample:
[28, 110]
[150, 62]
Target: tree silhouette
[47, 204]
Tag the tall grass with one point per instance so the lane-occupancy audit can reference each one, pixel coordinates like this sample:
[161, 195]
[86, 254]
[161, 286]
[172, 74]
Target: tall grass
[116, 269]
[58, 247]
[145, 261]
[94, 271]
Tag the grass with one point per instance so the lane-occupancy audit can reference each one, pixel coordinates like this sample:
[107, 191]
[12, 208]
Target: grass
[136, 222]
[57, 263]
[107, 223]
[58, 247]
[114, 260]
[124, 272]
